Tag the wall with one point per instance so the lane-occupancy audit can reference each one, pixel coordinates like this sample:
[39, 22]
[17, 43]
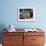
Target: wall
[9, 13]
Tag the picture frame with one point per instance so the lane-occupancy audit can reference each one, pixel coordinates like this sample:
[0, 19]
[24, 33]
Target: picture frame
[26, 14]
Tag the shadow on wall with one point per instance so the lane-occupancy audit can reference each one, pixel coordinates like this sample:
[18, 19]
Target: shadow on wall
[2, 26]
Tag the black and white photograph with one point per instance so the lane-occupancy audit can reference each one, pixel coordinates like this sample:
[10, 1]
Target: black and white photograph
[26, 14]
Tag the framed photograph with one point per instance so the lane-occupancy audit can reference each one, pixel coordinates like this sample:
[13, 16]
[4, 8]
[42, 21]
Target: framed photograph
[26, 14]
